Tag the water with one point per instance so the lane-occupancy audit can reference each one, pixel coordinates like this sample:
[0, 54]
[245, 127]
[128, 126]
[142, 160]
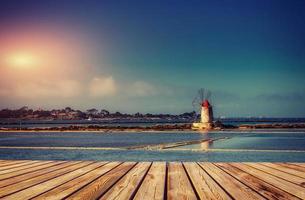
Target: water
[294, 141]
[260, 146]
[78, 139]
[140, 155]
[11, 123]
[66, 123]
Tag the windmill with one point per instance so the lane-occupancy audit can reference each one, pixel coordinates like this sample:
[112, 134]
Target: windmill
[201, 104]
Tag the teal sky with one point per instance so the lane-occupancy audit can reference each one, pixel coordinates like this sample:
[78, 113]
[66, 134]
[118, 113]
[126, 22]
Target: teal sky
[157, 54]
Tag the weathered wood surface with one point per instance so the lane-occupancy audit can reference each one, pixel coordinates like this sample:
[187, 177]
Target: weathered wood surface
[178, 184]
[153, 185]
[27, 179]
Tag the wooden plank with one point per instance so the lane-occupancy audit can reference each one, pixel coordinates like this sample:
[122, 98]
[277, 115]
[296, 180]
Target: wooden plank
[292, 166]
[126, 187]
[3, 162]
[7, 190]
[265, 189]
[98, 187]
[10, 162]
[299, 164]
[178, 184]
[50, 184]
[285, 169]
[287, 186]
[234, 187]
[8, 179]
[16, 165]
[153, 185]
[288, 177]
[91, 180]
[68, 188]
[17, 169]
[13, 160]
[205, 186]
[13, 163]
[24, 171]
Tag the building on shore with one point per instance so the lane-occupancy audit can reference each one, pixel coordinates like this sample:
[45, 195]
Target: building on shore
[206, 117]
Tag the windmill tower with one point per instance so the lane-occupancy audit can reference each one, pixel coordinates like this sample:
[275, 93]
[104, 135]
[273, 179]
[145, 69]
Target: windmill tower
[202, 105]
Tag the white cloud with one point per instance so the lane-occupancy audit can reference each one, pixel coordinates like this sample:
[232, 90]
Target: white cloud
[38, 89]
[56, 91]
[102, 87]
[142, 88]
[48, 89]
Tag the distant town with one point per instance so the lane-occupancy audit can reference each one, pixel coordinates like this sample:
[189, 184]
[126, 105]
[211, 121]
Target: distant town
[93, 113]
[97, 120]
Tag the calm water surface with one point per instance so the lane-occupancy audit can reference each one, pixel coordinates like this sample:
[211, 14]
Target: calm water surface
[269, 146]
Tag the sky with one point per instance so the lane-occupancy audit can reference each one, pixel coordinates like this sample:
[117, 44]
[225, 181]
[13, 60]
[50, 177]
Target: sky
[153, 56]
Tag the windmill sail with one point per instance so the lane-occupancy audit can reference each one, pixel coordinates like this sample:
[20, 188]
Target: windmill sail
[202, 106]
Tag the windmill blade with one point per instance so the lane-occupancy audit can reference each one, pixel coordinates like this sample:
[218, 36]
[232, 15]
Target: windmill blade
[195, 101]
[197, 108]
[208, 95]
[201, 91]
[202, 95]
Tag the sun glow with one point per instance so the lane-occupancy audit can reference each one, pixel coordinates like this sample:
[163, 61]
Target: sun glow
[22, 60]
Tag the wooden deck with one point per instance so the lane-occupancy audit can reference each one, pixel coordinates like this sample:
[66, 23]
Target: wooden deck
[25, 179]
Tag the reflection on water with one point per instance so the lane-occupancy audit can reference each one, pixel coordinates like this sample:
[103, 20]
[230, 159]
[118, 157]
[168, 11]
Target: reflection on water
[253, 141]
[259, 146]
[205, 145]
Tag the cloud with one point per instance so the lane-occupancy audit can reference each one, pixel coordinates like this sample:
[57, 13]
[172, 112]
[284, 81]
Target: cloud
[48, 89]
[142, 89]
[102, 87]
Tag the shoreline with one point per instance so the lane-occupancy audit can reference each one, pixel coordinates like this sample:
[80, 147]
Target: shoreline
[156, 149]
[160, 128]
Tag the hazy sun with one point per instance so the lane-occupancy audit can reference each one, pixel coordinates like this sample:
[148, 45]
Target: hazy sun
[21, 60]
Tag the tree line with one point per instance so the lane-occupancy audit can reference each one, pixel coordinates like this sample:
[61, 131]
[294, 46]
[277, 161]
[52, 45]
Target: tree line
[69, 113]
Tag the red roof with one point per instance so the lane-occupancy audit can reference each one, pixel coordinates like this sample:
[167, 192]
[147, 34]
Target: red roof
[205, 104]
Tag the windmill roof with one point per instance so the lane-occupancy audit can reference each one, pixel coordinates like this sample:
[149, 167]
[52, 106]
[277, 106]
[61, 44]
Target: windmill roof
[206, 103]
